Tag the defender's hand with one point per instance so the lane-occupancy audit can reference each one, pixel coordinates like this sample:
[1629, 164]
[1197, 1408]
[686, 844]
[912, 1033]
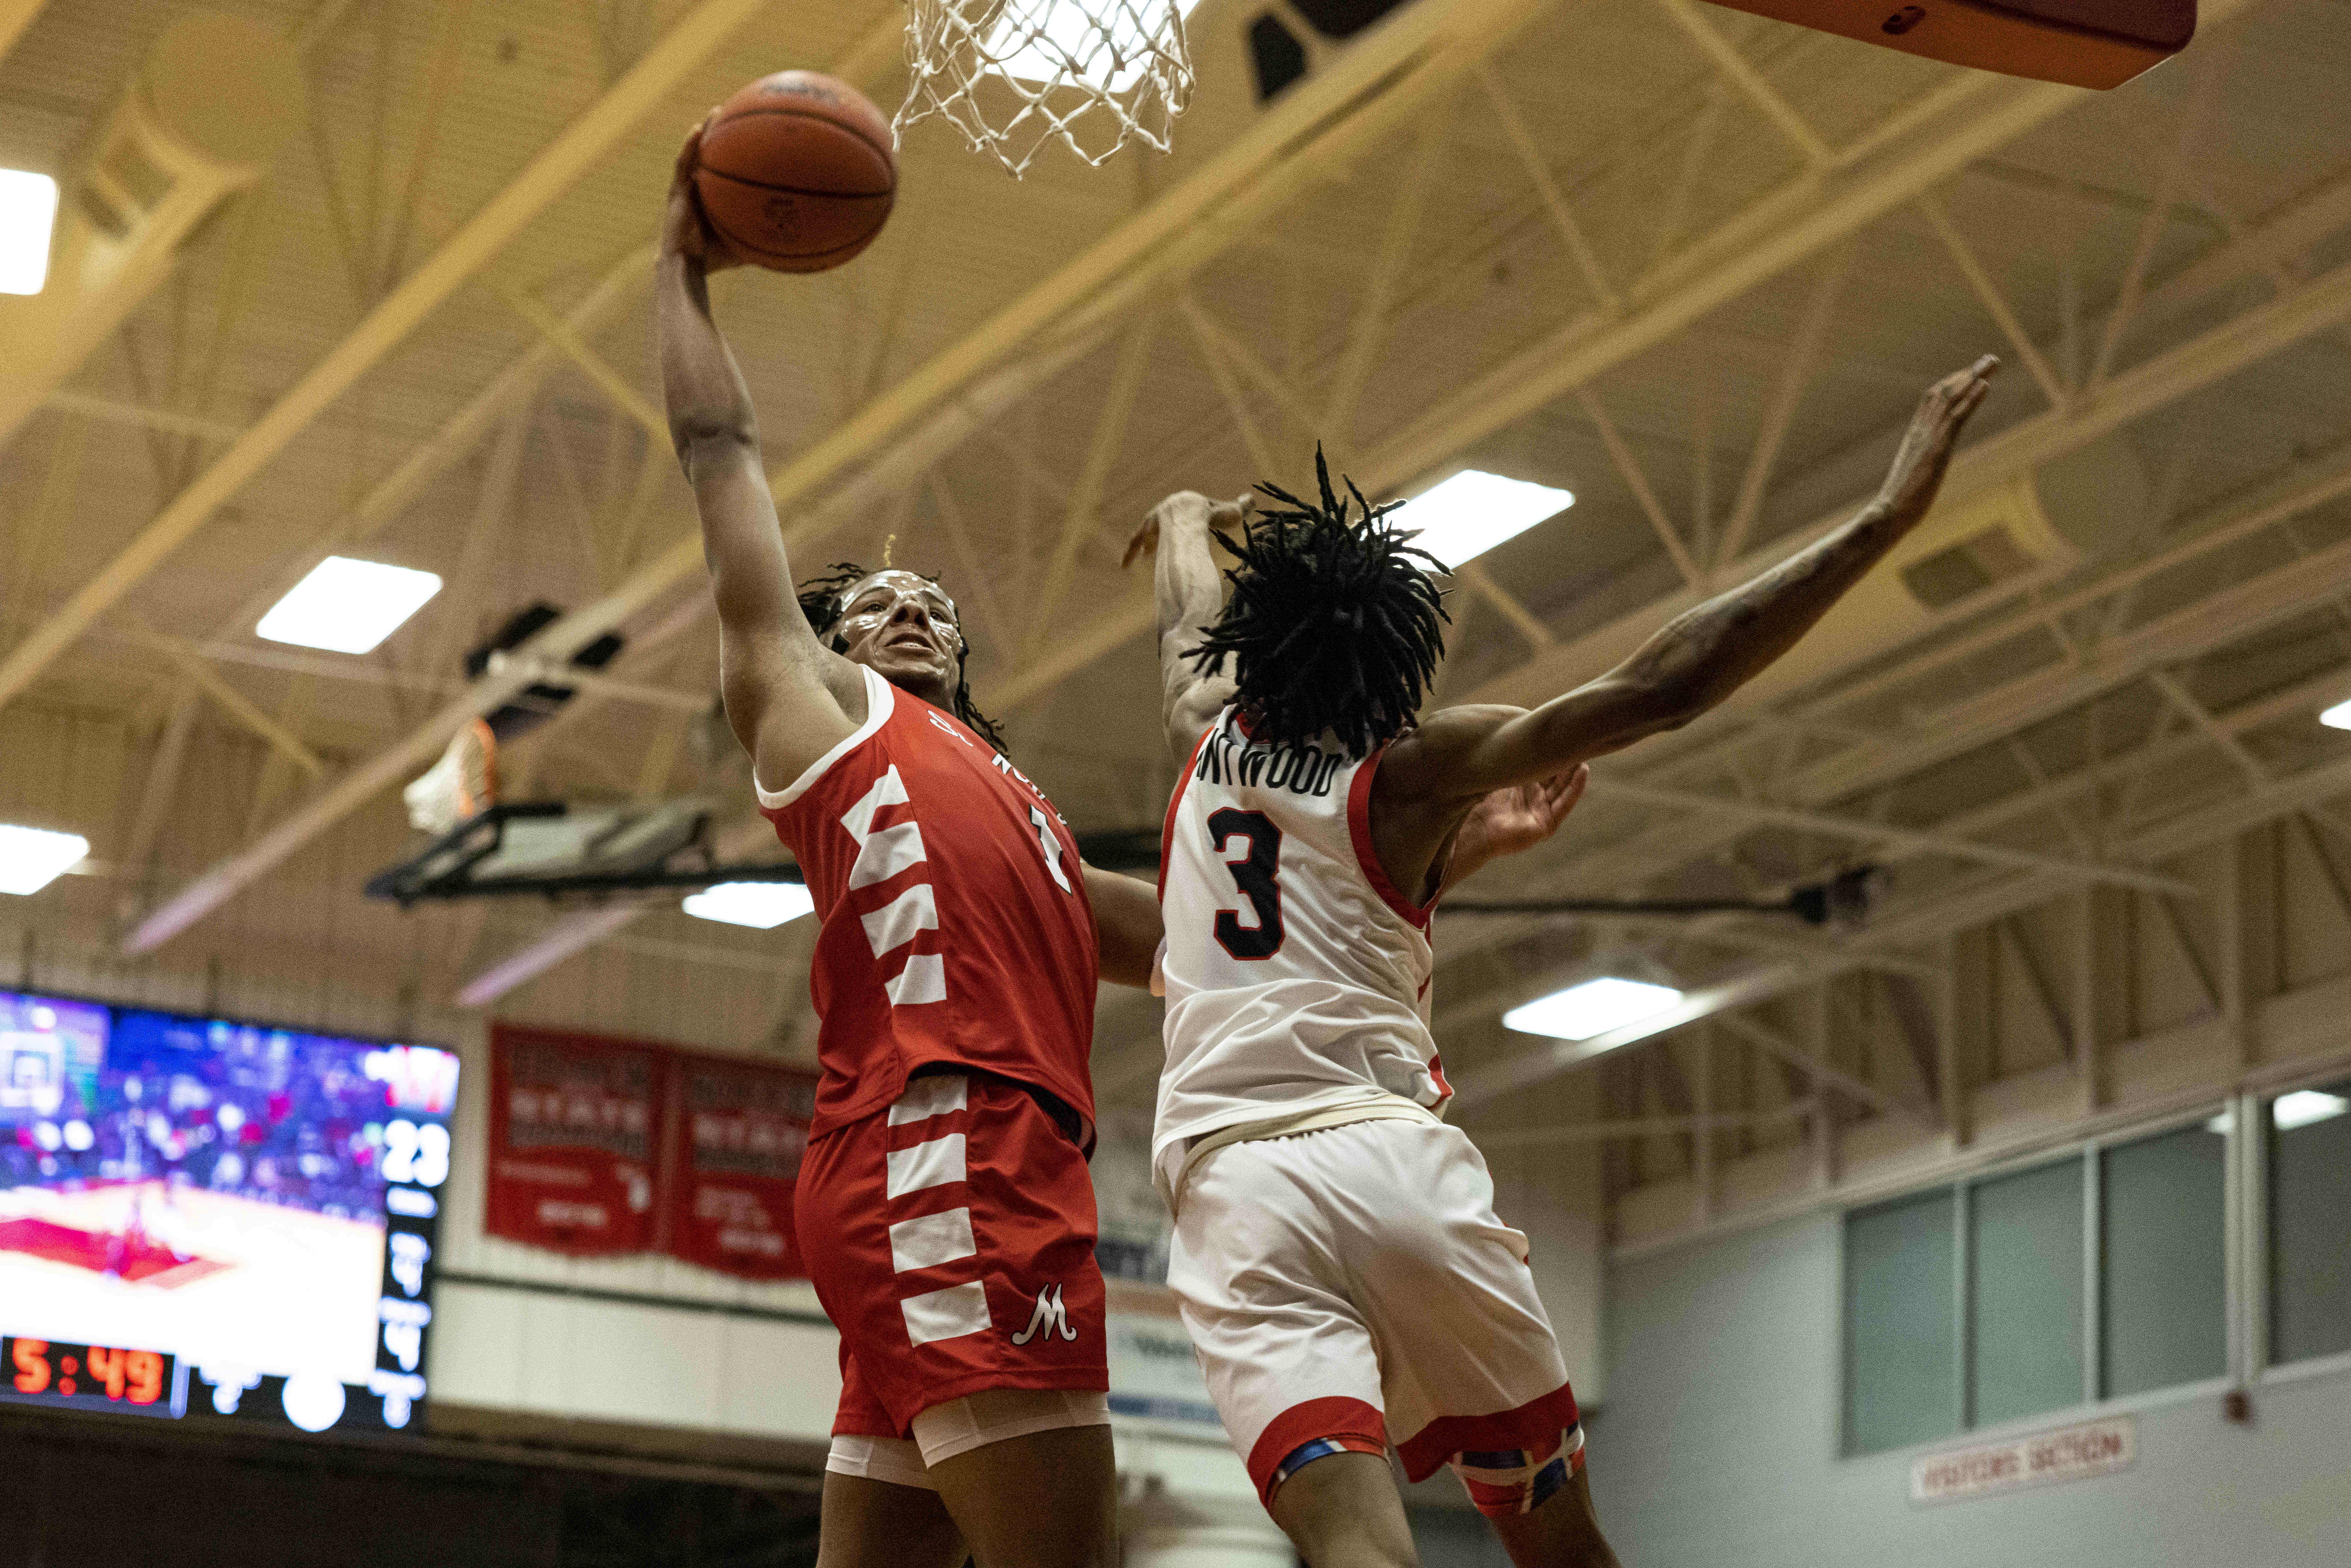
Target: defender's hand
[1926, 451]
[1184, 505]
[686, 229]
[1519, 818]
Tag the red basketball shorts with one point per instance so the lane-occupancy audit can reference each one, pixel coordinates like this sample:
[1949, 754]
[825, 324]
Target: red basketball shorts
[951, 1240]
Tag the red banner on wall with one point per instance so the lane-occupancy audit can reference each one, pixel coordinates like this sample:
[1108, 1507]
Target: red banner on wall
[576, 1133]
[741, 1128]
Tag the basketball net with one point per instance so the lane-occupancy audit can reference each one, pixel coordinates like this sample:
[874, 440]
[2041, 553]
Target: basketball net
[1014, 75]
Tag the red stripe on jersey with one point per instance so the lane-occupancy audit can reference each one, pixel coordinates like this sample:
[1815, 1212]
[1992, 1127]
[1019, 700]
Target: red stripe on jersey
[1358, 828]
[1168, 832]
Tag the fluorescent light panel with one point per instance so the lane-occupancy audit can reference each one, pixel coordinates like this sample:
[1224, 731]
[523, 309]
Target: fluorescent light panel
[2336, 717]
[28, 211]
[31, 858]
[761, 905]
[1593, 1008]
[2304, 1106]
[348, 606]
[1472, 512]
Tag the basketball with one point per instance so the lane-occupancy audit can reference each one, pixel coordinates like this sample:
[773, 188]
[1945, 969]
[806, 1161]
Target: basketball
[796, 172]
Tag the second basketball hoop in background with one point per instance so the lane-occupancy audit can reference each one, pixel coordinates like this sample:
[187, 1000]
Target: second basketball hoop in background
[798, 171]
[1015, 74]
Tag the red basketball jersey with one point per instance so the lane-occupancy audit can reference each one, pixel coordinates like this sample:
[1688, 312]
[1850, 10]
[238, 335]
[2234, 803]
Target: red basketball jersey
[956, 926]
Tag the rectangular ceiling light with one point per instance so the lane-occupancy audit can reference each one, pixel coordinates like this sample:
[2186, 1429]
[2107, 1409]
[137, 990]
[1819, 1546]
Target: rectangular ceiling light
[1593, 1008]
[31, 858]
[28, 211]
[761, 905]
[1472, 512]
[348, 606]
[2336, 717]
[2304, 1106]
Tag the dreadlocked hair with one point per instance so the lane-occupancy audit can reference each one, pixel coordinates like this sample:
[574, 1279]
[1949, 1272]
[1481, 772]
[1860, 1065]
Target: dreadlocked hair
[822, 600]
[1335, 626]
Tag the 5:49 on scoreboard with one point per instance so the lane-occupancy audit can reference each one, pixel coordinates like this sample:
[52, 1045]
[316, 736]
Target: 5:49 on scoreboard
[92, 1377]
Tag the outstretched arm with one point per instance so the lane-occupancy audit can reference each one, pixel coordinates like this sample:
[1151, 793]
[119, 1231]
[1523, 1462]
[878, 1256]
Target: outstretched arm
[1701, 657]
[1126, 924]
[1191, 594]
[779, 681]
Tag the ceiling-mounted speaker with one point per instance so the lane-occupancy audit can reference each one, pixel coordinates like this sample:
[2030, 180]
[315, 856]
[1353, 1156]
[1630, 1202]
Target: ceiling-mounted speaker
[2085, 43]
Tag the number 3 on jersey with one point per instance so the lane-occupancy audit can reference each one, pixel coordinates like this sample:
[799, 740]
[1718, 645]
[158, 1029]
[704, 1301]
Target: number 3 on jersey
[1254, 872]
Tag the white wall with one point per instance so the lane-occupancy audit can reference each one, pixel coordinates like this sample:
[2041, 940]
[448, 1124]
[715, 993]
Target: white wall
[1719, 1444]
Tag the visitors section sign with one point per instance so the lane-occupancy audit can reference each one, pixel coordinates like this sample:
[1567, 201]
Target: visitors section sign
[2067, 1453]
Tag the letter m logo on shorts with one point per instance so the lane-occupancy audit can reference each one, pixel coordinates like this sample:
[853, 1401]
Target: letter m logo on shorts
[1048, 1319]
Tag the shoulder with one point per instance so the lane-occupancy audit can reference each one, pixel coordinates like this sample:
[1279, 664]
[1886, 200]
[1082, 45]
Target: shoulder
[1417, 760]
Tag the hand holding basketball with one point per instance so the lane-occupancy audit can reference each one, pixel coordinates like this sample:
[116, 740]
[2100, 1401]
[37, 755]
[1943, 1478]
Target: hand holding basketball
[795, 173]
[685, 231]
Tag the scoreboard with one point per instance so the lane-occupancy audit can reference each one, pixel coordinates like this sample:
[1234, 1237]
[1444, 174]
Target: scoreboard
[205, 1219]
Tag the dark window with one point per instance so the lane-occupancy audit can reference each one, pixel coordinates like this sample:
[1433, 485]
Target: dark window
[2309, 1223]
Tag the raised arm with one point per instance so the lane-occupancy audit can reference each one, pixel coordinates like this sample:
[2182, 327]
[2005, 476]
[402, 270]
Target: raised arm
[789, 698]
[1191, 593]
[1699, 658]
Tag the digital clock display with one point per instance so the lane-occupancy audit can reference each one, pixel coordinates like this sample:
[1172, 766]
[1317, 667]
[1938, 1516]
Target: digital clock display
[92, 1376]
[203, 1219]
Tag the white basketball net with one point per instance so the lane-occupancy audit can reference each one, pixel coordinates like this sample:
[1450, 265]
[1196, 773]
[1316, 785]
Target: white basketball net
[1014, 75]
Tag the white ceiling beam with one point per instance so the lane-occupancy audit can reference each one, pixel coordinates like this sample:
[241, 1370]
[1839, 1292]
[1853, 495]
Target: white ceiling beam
[1985, 900]
[16, 15]
[2187, 634]
[1742, 74]
[1763, 813]
[578, 148]
[1777, 233]
[1775, 1044]
[1308, 135]
[1638, 1127]
[568, 938]
[574, 347]
[165, 419]
[244, 709]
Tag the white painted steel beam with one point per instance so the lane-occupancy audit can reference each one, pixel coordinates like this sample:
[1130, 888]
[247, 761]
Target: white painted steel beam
[1779, 232]
[16, 15]
[581, 146]
[1979, 902]
[1764, 813]
[1306, 136]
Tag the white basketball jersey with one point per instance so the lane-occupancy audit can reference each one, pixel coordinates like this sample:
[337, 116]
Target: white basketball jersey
[1297, 977]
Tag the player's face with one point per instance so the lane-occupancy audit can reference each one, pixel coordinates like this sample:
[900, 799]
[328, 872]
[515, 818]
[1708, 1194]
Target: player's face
[901, 626]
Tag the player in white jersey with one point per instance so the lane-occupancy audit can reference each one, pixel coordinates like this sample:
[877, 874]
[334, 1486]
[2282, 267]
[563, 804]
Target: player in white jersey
[1336, 1256]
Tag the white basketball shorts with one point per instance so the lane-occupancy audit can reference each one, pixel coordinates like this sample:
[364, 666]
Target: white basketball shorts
[1351, 1289]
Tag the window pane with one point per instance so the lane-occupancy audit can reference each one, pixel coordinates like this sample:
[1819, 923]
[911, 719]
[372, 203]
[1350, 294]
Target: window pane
[1900, 1325]
[2309, 1223]
[2027, 1293]
[2164, 1262]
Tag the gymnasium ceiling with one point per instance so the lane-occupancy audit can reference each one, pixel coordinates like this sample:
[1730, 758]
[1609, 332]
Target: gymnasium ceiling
[1691, 264]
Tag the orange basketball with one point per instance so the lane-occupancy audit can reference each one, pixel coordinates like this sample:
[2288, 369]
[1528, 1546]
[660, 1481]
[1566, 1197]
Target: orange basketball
[795, 171]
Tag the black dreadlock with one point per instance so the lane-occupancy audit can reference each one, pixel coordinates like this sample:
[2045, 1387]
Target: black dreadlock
[822, 600]
[1333, 626]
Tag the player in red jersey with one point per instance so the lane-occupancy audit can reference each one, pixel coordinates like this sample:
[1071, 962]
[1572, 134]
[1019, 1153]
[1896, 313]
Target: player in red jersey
[943, 1206]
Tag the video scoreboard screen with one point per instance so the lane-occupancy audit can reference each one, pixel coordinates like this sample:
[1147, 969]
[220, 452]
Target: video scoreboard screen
[203, 1219]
